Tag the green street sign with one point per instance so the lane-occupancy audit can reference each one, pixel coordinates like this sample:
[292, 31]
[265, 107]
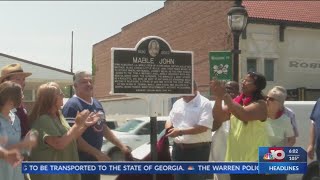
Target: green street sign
[220, 65]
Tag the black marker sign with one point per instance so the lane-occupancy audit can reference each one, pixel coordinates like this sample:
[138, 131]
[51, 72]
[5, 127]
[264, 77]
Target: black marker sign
[152, 68]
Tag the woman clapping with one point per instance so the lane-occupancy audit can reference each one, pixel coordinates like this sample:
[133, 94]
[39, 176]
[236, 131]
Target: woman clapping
[57, 140]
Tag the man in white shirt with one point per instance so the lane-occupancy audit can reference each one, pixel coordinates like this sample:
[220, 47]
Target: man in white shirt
[190, 122]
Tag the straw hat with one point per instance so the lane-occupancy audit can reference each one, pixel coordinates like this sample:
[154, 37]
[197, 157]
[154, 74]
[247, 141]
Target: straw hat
[12, 69]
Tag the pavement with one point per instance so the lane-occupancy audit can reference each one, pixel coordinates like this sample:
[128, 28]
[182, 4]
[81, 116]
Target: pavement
[108, 177]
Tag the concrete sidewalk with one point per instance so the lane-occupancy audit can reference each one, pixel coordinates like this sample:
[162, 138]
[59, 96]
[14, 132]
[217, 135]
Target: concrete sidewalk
[108, 177]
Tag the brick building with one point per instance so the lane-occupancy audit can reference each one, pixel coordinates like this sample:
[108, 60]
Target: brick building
[275, 30]
[186, 25]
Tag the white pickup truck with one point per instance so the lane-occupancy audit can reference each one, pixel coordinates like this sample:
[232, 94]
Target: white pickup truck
[303, 110]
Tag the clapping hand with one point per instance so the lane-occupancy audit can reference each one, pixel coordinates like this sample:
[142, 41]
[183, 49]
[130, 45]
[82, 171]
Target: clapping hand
[218, 88]
[31, 139]
[86, 118]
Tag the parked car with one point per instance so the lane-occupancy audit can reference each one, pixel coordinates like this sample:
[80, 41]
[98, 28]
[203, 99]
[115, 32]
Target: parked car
[142, 151]
[133, 133]
[112, 123]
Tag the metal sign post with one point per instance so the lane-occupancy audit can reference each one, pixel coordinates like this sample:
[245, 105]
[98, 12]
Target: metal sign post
[152, 71]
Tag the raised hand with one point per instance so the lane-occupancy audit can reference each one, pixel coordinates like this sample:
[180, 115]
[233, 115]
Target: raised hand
[86, 119]
[217, 88]
[81, 117]
[92, 119]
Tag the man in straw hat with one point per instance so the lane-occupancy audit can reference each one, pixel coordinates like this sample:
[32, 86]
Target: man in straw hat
[15, 73]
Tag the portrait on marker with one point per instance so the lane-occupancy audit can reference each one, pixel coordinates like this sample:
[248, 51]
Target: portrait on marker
[153, 48]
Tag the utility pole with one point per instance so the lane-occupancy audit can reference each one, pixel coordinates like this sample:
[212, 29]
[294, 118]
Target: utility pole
[72, 51]
[71, 70]
[237, 21]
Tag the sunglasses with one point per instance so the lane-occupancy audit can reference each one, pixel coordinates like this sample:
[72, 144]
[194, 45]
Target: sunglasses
[247, 81]
[270, 99]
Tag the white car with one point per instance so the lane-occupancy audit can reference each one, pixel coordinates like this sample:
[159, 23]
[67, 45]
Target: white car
[133, 133]
[142, 151]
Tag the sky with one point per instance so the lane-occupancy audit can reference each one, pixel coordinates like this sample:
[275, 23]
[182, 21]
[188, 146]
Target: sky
[40, 31]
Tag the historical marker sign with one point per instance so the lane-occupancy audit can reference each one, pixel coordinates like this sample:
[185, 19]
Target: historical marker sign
[152, 68]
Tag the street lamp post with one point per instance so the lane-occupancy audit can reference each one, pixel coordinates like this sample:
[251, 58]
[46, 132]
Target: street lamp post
[237, 21]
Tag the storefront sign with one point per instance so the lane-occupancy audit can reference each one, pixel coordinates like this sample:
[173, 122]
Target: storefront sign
[303, 65]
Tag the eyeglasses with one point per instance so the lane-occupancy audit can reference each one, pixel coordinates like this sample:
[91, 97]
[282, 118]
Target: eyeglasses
[271, 99]
[247, 81]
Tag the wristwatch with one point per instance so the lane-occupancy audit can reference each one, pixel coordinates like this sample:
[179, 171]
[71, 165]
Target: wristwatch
[180, 133]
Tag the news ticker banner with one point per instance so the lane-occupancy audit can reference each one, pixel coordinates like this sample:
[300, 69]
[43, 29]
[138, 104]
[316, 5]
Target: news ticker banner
[282, 160]
[159, 168]
[139, 168]
[272, 160]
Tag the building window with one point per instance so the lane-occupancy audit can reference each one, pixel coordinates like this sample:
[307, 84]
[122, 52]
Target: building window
[269, 69]
[251, 65]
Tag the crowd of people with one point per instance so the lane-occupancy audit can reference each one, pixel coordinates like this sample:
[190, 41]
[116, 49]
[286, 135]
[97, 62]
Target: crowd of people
[242, 117]
[48, 133]
[243, 120]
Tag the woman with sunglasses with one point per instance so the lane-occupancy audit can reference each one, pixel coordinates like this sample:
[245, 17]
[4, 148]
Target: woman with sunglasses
[281, 133]
[247, 113]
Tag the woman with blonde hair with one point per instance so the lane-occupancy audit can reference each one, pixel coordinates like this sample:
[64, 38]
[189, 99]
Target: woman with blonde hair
[10, 131]
[57, 140]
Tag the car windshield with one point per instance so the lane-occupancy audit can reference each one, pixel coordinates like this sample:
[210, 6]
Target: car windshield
[129, 126]
[162, 133]
[112, 124]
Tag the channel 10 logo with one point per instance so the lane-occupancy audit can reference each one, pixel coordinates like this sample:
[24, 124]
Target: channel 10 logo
[274, 154]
